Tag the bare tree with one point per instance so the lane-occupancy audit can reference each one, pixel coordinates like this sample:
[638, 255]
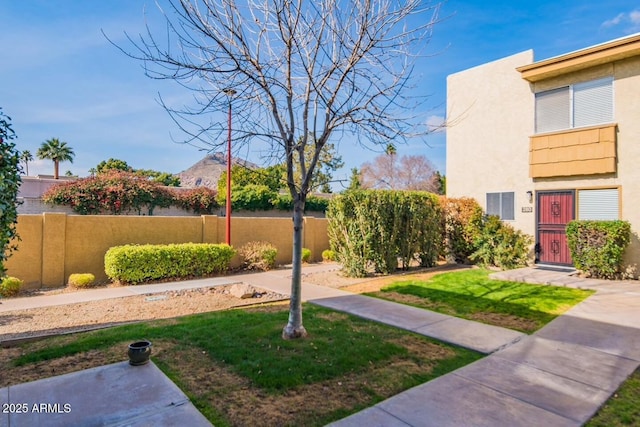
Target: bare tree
[381, 172]
[301, 71]
[390, 172]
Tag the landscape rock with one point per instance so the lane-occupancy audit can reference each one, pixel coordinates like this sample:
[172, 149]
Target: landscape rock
[242, 290]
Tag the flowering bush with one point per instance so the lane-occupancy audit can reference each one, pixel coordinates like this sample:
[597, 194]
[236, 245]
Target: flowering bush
[113, 192]
[200, 200]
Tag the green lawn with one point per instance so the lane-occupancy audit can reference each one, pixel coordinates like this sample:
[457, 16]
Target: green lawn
[237, 370]
[472, 295]
[623, 408]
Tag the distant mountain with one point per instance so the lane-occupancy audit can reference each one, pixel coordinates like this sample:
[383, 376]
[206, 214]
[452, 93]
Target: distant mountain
[207, 171]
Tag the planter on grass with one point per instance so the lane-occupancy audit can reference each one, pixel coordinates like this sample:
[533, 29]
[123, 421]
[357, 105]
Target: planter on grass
[139, 352]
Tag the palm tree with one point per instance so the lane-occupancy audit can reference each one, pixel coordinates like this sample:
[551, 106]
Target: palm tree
[57, 151]
[26, 157]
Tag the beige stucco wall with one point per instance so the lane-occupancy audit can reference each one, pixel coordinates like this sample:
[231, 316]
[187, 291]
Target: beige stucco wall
[491, 112]
[490, 116]
[626, 85]
[55, 245]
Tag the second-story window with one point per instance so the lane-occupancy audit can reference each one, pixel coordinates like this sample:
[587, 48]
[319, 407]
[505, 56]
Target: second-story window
[582, 104]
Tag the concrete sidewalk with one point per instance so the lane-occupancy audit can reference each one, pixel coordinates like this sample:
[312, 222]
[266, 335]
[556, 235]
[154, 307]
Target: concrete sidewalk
[112, 395]
[559, 376]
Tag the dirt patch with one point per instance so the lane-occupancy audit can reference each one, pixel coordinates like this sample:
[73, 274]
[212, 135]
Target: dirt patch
[95, 314]
[506, 321]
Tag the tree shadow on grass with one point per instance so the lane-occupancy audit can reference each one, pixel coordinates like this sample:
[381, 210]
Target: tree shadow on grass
[509, 311]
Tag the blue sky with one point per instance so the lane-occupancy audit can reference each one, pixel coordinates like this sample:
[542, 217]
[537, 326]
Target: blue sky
[61, 78]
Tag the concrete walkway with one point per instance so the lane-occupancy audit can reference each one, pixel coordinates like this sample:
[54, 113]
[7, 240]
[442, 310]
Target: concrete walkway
[558, 377]
[112, 395]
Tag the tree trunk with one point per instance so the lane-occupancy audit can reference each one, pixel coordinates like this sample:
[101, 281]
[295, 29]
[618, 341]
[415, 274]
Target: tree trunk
[56, 168]
[294, 328]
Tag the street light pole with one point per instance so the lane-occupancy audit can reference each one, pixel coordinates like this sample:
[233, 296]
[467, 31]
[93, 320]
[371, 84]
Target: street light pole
[230, 93]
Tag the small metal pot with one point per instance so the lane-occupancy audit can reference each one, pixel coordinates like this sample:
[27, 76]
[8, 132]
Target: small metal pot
[139, 352]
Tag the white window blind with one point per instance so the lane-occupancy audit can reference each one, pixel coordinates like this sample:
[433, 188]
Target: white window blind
[553, 110]
[502, 205]
[598, 204]
[507, 210]
[583, 104]
[493, 204]
[593, 102]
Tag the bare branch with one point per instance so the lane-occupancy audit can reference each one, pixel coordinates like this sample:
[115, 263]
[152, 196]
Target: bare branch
[305, 74]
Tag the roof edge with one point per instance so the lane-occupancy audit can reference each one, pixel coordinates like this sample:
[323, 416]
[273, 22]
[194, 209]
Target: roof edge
[610, 51]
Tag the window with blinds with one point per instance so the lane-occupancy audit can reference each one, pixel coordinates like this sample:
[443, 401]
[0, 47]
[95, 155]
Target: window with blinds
[600, 205]
[553, 110]
[583, 104]
[593, 102]
[502, 205]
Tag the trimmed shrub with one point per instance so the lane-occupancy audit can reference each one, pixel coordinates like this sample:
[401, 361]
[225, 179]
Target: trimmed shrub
[134, 264]
[462, 217]
[377, 228]
[81, 280]
[306, 255]
[499, 244]
[258, 255]
[328, 255]
[597, 247]
[10, 286]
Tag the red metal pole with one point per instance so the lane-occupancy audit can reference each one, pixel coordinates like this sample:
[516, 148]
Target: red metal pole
[228, 213]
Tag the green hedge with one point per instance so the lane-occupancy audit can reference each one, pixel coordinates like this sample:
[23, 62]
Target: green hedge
[252, 198]
[597, 247]
[284, 202]
[462, 221]
[499, 244]
[135, 264]
[376, 228]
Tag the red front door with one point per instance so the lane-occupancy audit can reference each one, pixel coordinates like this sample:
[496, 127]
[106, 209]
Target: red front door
[555, 210]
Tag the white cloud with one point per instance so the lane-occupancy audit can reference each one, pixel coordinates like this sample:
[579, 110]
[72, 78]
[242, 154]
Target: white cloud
[629, 19]
[436, 124]
[615, 21]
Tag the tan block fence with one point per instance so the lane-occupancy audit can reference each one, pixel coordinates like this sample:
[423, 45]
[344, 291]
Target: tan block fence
[56, 245]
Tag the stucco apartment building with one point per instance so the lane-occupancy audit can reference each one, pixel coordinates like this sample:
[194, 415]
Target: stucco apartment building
[540, 143]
